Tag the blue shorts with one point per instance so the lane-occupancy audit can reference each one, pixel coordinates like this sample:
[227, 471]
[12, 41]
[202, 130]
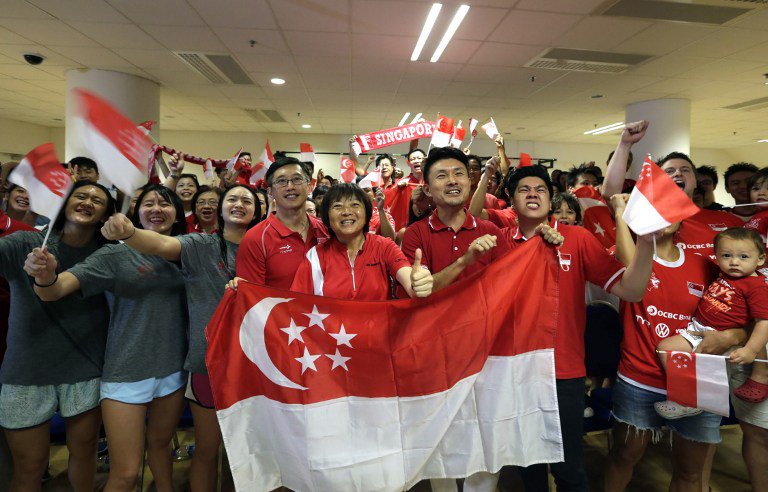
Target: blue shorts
[143, 391]
[633, 406]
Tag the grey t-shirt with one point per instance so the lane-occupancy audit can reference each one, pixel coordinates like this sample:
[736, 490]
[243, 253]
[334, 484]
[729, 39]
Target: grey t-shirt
[59, 342]
[147, 330]
[206, 275]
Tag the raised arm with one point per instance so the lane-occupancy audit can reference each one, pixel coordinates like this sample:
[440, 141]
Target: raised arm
[502, 153]
[625, 245]
[478, 199]
[49, 286]
[385, 226]
[176, 166]
[631, 287]
[120, 228]
[617, 167]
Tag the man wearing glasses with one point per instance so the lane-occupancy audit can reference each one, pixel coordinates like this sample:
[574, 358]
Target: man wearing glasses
[272, 251]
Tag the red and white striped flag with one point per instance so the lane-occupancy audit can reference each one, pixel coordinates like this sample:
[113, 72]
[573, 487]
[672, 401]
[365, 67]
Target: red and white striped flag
[208, 169]
[119, 147]
[443, 132]
[458, 135]
[347, 167]
[307, 153]
[699, 381]
[656, 202]
[490, 129]
[231, 163]
[259, 170]
[45, 179]
[371, 180]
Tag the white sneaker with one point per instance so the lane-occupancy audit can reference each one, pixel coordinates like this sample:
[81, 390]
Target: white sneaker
[671, 410]
[588, 412]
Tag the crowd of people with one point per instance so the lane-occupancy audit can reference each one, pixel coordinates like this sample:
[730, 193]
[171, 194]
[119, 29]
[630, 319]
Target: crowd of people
[106, 322]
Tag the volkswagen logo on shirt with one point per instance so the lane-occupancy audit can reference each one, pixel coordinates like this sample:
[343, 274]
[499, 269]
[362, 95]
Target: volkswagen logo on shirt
[662, 330]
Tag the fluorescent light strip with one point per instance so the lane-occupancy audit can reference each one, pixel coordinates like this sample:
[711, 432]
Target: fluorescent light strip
[605, 129]
[454, 25]
[763, 141]
[416, 118]
[405, 117]
[428, 25]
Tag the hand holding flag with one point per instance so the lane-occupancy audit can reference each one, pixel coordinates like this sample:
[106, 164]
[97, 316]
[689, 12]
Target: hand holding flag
[443, 132]
[490, 129]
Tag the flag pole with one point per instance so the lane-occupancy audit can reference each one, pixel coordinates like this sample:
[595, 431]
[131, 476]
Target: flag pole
[765, 361]
[749, 204]
[48, 233]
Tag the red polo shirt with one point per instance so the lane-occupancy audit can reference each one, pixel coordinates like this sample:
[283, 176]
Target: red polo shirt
[697, 233]
[441, 246]
[270, 253]
[328, 271]
[505, 217]
[582, 258]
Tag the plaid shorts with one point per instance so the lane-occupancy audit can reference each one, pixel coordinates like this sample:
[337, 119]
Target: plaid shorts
[24, 406]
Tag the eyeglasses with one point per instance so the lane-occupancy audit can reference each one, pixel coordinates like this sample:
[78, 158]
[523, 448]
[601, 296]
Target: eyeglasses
[283, 182]
[212, 203]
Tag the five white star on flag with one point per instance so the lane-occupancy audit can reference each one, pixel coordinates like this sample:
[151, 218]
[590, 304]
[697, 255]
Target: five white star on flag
[294, 332]
[307, 361]
[316, 318]
[338, 360]
[342, 337]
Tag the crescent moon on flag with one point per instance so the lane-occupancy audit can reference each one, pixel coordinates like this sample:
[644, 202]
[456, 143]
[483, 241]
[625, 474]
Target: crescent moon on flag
[253, 343]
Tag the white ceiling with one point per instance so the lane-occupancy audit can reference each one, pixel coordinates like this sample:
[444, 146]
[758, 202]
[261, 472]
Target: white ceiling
[347, 67]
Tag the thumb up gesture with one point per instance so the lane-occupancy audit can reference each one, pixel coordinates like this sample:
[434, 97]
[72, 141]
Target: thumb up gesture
[421, 279]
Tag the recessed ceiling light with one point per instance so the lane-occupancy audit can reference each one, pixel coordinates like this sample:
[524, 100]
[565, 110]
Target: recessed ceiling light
[596, 96]
[277, 81]
[306, 126]
[452, 27]
[605, 129]
[428, 25]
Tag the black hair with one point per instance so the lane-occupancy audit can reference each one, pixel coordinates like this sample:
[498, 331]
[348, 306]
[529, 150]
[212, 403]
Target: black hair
[245, 152]
[741, 234]
[630, 158]
[286, 161]
[535, 171]
[58, 224]
[408, 155]
[710, 172]
[330, 180]
[381, 157]
[220, 217]
[573, 203]
[279, 154]
[179, 224]
[310, 167]
[191, 176]
[84, 162]
[676, 155]
[473, 157]
[738, 168]
[319, 191]
[757, 177]
[442, 153]
[200, 191]
[263, 200]
[572, 176]
[338, 193]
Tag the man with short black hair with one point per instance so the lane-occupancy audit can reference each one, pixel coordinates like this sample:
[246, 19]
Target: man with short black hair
[580, 176]
[84, 169]
[736, 177]
[271, 252]
[706, 178]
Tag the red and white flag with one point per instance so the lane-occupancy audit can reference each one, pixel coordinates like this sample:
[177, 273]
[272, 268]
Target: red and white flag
[596, 216]
[307, 153]
[656, 202]
[259, 169]
[45, 179]
[371, 180]
[231, 163]
[146, 126]
[458, 135]
[490, 129]
[208, 169]
[525, 160]
[699, 381]
[347, 170]
[443, 132]
[316, 393]
[121, 150]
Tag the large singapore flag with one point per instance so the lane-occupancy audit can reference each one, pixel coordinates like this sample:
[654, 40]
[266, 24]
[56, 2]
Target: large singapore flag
[656, 202]
[322, 394]
[121, 150]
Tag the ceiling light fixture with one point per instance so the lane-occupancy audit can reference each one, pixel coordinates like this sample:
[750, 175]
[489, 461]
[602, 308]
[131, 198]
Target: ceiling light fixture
[452, 27]
[405, 117]
[765, 140]
[306, 126]
[605, 129]
[428, 25]
[416, 118]
[277, 81]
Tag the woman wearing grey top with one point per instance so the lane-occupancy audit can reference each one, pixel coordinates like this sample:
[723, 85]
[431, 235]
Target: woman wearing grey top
[143, 377]
[55, 350]
[207, 263]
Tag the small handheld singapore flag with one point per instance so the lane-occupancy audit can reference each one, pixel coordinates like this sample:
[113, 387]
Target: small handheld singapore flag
[698, 381]
[118, 146]
[322, 394]
[656, 202]
[45, 179]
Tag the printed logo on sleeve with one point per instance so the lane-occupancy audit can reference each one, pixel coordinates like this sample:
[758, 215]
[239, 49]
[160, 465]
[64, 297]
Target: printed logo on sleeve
[695, 289]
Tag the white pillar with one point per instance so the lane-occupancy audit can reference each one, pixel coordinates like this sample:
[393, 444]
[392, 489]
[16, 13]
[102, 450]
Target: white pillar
[136, 97]
[669, 129]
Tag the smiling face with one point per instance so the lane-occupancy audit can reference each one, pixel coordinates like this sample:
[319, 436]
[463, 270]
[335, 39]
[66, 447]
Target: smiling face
[186, 189]
[448, 183]
[86, 174]
[238, 207]
[156, 213]
[347, 217]
[565, 215]
[759, 192]
[386, 168]
[311, 208]
[531, 199]
[682, 174]
[584, 179]
[289, 188]
[87, 206]
[18, 201]
[415, 162]
[737, 186]
[738, 257]
[475, 171]
[205, 207]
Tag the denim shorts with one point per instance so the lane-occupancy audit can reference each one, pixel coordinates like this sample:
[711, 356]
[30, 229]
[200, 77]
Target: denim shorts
[633, 406]
[23, 406]
[143, 391]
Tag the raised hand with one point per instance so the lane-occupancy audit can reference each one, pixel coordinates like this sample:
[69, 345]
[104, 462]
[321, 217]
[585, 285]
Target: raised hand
[491, 166]
[41, 265]
[499, 141]
[421, 278]
[176, 164]
[550, 235]
[619, 203]
[118, 228]
[380, 198]
[634, 132]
